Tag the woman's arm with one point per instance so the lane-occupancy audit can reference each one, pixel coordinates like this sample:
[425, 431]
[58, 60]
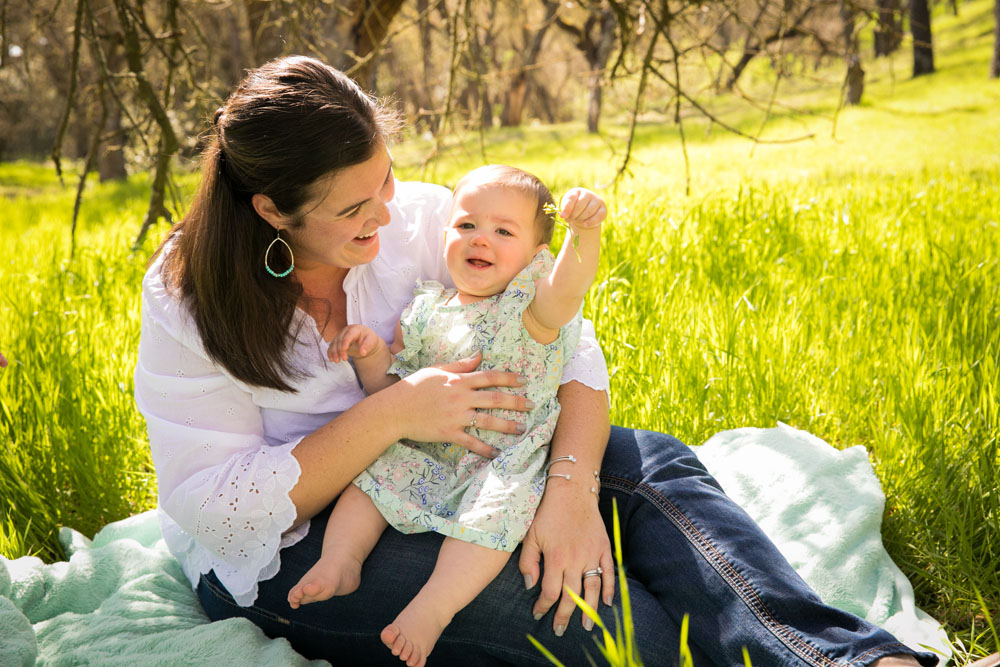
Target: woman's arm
[235, 493]
[568, 531]
[432, 405]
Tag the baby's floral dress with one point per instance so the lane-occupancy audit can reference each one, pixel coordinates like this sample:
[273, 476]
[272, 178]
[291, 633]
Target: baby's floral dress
[422, 486]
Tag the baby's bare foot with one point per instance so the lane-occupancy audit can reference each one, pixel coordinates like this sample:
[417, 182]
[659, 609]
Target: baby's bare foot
[414, 633]
[328, 577]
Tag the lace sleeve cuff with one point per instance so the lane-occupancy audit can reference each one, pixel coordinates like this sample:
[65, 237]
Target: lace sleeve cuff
[242, 544]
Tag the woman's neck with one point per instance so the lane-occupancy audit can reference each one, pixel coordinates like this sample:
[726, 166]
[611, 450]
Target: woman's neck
[321, 282]
[323, 298]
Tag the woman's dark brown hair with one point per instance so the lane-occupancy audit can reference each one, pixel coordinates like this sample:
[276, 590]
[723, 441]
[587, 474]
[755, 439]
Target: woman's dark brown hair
[289, 123]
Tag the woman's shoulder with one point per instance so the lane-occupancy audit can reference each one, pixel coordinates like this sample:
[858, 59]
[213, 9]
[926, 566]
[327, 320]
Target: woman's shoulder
[164, 305]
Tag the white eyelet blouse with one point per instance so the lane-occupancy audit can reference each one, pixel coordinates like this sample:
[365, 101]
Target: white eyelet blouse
[222, 449]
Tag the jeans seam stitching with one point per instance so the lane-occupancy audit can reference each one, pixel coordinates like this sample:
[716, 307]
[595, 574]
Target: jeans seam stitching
[875, 649]
[226, 597]
[726, 570]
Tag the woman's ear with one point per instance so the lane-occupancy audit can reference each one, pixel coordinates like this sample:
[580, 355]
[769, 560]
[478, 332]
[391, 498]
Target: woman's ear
[266, 209]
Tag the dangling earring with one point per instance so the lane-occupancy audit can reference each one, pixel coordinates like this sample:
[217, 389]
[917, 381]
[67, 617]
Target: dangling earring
[290, 255]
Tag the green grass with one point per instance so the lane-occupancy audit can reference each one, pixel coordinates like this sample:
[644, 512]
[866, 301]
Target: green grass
[848, 285]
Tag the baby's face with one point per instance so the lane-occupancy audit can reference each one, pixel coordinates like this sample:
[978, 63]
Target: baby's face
[490, 238]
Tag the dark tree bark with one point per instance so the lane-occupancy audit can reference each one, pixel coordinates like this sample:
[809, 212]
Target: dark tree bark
[920, 27]
[855, 81]
[995, 65]
[517, 94]
[111, 157]
[368, 32]
[157, 108]
[266, 41]
[889, 32]
[595, 40]
[353, 32]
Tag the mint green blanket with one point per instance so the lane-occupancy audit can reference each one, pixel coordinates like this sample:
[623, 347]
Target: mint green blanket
[122, 599]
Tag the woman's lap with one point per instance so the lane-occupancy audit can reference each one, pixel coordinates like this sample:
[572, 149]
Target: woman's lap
[492, 630]
[688, 549]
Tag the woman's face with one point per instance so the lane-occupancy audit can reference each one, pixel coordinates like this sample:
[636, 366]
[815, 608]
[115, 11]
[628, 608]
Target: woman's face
[341, 222]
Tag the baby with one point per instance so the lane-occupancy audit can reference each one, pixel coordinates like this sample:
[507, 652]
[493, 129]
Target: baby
[521, 309]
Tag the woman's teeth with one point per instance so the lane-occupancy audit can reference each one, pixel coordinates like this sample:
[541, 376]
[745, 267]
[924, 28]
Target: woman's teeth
[366, 236]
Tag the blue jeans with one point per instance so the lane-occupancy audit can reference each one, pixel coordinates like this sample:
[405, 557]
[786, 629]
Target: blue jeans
[688, 549]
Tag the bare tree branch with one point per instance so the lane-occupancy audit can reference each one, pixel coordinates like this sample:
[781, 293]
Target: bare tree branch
[74, 68]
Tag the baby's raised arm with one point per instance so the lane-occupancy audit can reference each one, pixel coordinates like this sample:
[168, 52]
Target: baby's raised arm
[558, 296]
[372, 357]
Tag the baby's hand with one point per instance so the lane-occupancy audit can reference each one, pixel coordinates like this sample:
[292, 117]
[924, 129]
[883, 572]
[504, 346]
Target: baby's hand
[357, 341]
[582, 209]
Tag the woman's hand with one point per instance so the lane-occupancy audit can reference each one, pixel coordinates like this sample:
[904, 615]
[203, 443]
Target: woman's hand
[442, 403]
[568, 533]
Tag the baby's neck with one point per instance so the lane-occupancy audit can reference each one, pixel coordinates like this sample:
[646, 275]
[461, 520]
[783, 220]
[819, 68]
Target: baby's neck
[463, 299]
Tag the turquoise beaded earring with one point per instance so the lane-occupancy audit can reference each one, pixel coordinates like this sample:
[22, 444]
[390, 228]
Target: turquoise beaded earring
[290, 255]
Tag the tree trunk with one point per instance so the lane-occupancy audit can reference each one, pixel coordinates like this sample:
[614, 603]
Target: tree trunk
[889, 32]
[595, 40]
[594, 102]
[513, 103]
[266, 41]
[995, 65]
[369, 32]
[855, 80]
[513, 107]
[847, 29]
[595, 82]
[424, 103]
[923, 48]
[111, 160]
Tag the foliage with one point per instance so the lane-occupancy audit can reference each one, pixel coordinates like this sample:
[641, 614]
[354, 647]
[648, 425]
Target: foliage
[848, 285]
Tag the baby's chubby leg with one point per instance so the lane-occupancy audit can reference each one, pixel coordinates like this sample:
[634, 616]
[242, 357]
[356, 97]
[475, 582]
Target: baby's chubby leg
[351, 533]
[461, 573]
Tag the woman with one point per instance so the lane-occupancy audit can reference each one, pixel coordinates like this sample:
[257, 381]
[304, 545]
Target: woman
[298, 229]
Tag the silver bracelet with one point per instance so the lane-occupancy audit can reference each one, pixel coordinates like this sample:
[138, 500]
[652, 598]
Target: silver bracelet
[572, 459]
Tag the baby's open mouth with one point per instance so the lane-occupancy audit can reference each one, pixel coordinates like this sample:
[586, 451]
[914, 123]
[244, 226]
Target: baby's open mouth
[480, 263]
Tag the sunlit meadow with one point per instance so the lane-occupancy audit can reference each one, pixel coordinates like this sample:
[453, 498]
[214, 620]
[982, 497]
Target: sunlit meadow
[847, 284]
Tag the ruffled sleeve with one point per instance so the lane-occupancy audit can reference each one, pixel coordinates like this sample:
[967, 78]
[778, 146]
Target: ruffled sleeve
[223, 489]
[511, 332]
[413, 323]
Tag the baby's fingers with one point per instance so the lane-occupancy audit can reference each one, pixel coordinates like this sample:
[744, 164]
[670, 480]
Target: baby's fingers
[582, 208]
[342, 342]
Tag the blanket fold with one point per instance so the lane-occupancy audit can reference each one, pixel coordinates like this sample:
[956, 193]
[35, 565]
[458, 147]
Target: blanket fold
[122, 599]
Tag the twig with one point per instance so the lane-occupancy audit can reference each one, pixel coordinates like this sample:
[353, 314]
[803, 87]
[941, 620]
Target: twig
[777, 82]
[88, 165]
[643, 78]
[74, 67]
[677, 115]
[713, 118]
[451, 92]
